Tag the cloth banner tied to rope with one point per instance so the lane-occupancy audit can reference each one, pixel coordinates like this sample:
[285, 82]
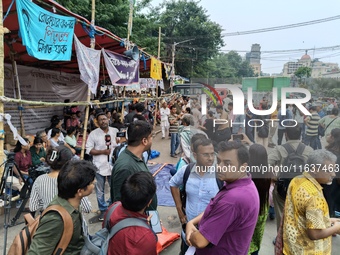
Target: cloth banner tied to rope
[16, 135]
[122, 70]
[47, 36]
[89, 64]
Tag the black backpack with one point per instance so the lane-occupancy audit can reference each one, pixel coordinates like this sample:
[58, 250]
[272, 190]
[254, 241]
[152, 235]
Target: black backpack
[183, 193]
[293, 164]
[116, 151]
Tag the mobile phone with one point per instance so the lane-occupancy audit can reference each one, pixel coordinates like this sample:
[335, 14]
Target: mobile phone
[155, 221]
[238, 137]
[120, 134]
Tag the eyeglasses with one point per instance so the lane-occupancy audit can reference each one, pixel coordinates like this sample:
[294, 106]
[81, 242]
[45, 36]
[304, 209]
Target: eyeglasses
[207, 155]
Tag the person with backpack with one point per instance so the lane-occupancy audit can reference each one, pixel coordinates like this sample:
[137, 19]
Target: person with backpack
[198, 182]
[279, 157]
[75, 181]
[137, 192]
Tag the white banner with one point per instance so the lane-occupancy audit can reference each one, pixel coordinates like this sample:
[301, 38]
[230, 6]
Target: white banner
[89, 63]
[41, 85]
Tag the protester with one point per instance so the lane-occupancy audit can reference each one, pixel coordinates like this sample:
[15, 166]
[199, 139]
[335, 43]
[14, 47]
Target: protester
[137, 192]
[174, 125]
[276, 158]
[165, 113]
[312, 123]
[45, 187]
[201, 184]
[131, 161]
[258, 161]
[22, 158]
[38, 152]
[307, 228]
[75, 181]
[228, 223]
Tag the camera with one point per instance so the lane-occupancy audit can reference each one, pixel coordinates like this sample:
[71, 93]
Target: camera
[35, 171]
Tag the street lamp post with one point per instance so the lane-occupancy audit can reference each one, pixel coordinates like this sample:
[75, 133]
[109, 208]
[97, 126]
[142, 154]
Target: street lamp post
[173, 62]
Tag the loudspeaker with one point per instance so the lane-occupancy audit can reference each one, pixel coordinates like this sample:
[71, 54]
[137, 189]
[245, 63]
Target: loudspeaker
[132, 53]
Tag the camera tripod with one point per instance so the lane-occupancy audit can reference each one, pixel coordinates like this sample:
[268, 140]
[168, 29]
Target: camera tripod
[7, 183]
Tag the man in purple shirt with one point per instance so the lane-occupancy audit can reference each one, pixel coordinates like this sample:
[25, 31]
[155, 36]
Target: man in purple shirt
[227, 224]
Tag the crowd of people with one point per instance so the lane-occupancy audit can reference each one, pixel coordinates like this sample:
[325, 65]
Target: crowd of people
[222, 202]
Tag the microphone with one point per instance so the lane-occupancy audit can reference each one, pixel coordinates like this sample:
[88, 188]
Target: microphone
[108, 143]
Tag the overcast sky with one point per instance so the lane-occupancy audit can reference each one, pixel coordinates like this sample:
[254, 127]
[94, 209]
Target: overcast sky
[244, 15]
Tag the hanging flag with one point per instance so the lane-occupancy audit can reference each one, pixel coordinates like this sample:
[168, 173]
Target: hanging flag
[156, 69]
[47, 36]
[88, 63]
[168, 70]
[123, 71]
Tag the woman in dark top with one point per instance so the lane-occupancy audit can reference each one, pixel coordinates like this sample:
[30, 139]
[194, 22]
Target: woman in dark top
[38, 152]
[22, 158]
[332, 192]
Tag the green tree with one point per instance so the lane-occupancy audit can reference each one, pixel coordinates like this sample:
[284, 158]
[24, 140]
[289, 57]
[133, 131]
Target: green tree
[186, 20]
[303, 72]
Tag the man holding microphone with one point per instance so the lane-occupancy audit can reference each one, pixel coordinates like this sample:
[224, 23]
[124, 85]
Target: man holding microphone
[100, 144]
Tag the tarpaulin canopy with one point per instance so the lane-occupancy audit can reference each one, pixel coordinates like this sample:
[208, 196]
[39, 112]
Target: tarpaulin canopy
[13, 43]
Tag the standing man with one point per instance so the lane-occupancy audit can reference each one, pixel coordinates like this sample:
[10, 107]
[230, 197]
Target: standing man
[100, 145]
[200, 187]
[174, 125]
[307, 228]
[165, 112]
[131, 161]
[227, 224]
[312, 133]
[222, 131]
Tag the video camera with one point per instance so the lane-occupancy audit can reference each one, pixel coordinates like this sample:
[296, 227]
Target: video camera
[35, 171]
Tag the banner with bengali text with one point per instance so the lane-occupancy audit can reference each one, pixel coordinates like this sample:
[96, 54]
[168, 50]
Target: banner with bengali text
[156, 69]
[47, 36]
[122, 70]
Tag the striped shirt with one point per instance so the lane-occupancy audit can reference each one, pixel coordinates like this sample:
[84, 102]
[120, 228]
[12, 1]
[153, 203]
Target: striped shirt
[173, 127]
[44, 189]
[312, 124]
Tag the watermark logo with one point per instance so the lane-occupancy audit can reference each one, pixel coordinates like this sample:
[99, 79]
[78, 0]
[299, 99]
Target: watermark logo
[238, 102]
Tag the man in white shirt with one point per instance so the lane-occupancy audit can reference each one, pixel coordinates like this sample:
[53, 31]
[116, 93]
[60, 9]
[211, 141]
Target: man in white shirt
[100, 144]
[164, 112]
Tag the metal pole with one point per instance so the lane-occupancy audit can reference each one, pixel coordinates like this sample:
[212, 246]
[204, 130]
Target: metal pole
[93, 42]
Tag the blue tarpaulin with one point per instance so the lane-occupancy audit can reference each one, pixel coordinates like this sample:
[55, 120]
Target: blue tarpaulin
[162, 180]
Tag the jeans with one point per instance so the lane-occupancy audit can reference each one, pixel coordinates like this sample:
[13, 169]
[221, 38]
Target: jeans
[312, 141]
[303, 131]
[280, 133]
[174, 143]
[100, 191]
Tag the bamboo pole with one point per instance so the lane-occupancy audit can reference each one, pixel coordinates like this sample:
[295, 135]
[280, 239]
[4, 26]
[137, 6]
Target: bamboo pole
[17, 85]
[157, 84]
[2, 89]
[87, 111]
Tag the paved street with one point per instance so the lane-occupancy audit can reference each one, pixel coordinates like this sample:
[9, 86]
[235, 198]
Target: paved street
[168, 214]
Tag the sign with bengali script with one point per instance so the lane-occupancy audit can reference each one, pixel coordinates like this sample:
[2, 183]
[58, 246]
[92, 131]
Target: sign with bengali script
[47, 36]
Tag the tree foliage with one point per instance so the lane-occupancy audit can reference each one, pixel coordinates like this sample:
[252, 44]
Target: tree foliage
[303, 72]
[179, 20]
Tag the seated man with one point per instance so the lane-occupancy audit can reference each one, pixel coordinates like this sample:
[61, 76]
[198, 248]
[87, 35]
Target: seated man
[137, 192]
[307, 228]
[227, 224]
[75, 181]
